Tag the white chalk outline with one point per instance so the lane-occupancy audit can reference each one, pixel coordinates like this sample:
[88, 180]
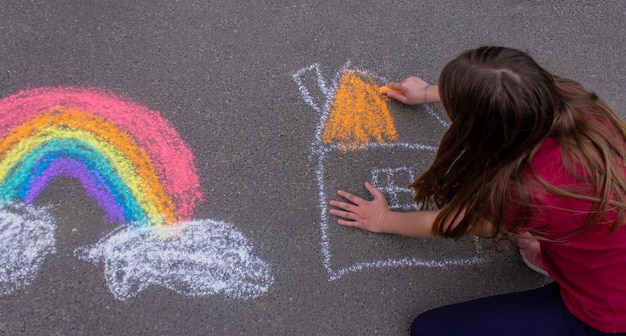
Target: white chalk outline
[320, 151]
[391, 188]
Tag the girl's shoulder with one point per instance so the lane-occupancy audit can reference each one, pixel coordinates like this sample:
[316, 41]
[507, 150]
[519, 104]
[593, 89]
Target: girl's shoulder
[548, 165]
[547, 158]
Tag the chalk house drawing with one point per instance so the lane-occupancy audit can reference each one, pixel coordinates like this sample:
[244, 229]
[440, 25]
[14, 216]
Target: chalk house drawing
[134, 164]
[356, 133]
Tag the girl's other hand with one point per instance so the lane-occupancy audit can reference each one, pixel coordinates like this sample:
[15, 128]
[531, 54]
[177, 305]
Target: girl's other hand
[360, 213]
[414, 91]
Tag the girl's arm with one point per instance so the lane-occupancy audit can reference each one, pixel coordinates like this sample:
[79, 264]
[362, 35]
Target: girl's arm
[415, 91]
[375, 215]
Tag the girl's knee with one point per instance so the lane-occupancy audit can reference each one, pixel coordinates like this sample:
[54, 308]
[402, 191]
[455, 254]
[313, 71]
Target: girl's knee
[424, 324]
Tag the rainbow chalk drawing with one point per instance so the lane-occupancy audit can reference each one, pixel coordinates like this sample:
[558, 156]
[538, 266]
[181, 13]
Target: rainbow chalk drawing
[134, 164]
[355, 121]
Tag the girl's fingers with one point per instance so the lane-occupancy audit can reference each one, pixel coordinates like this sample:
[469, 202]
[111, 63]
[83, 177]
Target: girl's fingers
[395, 95]
[342, 214]
[378, 195]
[340, 205]
[399, 97]
[346, 218]
[352, 198]
[395, 86]
[348, 223]
[373, 190]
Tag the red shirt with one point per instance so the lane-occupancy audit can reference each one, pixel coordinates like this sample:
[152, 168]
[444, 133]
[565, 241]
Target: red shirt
[590, 267]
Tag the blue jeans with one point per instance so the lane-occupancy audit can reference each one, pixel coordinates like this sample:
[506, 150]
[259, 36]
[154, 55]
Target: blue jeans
[539, 311]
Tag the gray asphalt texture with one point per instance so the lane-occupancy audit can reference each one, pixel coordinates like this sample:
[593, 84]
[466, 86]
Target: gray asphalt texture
[221, 73]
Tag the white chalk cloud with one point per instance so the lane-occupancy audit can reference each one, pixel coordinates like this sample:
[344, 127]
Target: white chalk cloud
[27, 236]
[196, 258]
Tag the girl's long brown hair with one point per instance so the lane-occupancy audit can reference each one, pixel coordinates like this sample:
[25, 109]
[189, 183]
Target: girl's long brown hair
[503, 105]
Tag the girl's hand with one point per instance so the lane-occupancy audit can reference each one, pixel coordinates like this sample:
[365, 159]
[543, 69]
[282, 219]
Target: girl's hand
[414, 91]
[360, 213]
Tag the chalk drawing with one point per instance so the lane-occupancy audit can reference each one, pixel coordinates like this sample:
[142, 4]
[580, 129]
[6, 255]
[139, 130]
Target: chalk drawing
[194, 258]
[393, 183]
[27, 236]
[134, 164]
[355, 118]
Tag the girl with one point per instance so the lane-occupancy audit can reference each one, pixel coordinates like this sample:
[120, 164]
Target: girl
[527, 152]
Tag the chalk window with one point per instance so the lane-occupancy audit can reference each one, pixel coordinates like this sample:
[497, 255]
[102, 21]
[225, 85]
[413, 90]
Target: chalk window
[393, 183]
